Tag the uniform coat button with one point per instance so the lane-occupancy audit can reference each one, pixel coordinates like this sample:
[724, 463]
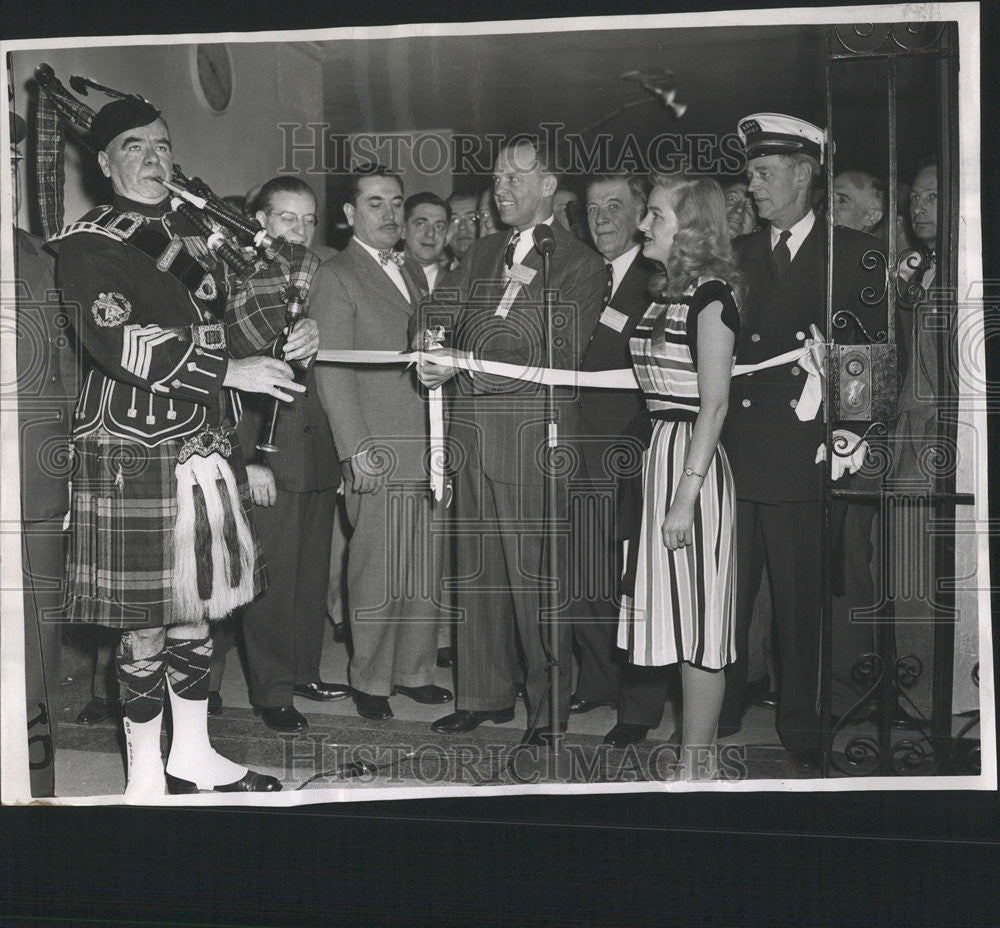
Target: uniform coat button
[755, 337]
[746, 404]
[793, 403]
[796, 372]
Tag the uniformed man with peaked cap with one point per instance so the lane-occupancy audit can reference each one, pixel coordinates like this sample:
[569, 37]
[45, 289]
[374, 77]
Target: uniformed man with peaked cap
[773, 453]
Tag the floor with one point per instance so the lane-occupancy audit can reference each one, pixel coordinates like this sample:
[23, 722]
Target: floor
[344, 750]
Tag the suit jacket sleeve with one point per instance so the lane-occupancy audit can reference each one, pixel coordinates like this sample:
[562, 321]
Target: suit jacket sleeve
[335, 312]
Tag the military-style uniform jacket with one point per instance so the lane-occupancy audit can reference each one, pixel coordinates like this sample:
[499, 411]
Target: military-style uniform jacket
[772, 451]
[129, 280]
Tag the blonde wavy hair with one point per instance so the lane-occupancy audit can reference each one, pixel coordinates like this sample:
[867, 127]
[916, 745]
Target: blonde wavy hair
[701, 247]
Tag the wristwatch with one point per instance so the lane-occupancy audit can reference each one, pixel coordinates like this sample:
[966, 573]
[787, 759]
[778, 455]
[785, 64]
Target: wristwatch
[689, 472]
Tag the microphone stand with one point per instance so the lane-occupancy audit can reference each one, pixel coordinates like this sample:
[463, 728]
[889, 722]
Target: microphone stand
[551, 488]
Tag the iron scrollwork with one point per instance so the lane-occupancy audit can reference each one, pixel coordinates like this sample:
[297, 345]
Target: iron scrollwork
[870, 38]
[842, 446]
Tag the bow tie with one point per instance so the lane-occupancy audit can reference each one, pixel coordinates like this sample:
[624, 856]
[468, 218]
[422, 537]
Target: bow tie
[387, 254]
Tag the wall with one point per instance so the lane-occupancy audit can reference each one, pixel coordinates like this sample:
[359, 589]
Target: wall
[232, 152]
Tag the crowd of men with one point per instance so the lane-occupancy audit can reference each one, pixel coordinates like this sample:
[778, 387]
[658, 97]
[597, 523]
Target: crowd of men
[429, 584]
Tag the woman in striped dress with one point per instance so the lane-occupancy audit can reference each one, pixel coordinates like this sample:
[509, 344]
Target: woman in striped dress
[681, 579]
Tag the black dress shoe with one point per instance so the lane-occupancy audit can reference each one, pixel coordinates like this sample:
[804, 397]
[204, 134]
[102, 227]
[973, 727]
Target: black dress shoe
[98, 710]
[372, 707]
[805, 761]
[542, 736]
[579, 705]
[251, 782]
[282, 718]
[445, 657]
[767, 701]
[429, 694]
[321, 692]
[463, 721]
[214, 702]
[625, 733]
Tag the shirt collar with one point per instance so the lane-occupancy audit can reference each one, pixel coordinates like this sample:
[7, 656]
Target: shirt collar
[374, 252]
[620, 266]
[527, 240]
[797, 233]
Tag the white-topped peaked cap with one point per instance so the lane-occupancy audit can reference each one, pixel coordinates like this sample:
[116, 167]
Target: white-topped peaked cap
[777, 134]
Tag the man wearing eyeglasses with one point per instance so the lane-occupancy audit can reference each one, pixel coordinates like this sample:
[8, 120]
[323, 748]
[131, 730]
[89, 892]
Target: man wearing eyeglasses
[464, 226]
[294, 493]
[286, 206]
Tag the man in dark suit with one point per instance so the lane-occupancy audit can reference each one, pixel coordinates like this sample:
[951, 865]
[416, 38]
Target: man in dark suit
[607, 418]
[778, 482]
[294, 492]
[498, 432]
[361, 299]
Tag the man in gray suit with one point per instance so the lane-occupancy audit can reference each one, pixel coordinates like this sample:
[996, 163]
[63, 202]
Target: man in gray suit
[360, 299]
[499, 426]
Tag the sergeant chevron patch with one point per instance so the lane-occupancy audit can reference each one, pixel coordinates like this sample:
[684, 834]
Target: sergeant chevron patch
[138, 345]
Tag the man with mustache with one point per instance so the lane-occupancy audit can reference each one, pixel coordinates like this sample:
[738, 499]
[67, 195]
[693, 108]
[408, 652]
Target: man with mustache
[361, 299]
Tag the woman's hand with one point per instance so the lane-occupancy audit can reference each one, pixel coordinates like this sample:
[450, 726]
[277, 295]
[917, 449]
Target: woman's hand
[678, 526]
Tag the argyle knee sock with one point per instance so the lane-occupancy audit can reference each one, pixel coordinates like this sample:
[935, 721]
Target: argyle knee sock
[191, 756]
[141, 681]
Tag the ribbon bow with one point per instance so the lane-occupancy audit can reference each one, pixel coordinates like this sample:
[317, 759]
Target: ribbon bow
[813, 362]
[388, 254]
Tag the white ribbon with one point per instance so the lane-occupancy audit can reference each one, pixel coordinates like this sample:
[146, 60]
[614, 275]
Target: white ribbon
[809, 356]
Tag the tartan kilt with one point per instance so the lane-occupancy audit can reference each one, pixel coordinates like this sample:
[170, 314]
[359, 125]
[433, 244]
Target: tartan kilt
[123, 509]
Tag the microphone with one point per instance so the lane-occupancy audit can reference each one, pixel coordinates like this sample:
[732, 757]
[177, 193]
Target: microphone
[544, 240]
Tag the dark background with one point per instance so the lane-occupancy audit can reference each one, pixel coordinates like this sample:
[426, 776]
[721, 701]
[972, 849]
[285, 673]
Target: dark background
[864, 859]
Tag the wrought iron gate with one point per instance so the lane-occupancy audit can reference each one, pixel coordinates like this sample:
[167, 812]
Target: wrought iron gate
[860, 392]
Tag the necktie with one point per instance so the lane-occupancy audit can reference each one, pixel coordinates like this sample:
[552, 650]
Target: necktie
[782, 256]
[508, 255]
[609, 284]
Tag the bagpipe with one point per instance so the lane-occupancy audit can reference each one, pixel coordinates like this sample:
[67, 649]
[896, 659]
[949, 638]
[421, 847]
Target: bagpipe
[268, 279]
